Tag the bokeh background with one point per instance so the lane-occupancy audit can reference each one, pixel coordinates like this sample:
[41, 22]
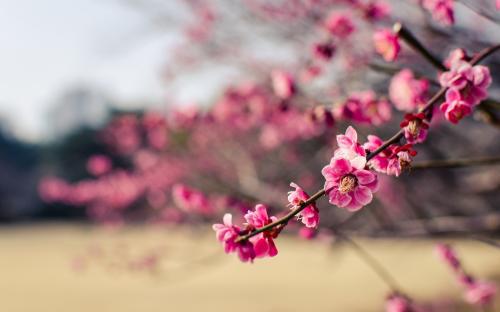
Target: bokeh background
[77, 77]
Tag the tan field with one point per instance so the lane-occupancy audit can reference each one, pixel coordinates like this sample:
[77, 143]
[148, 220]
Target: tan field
[80, 268]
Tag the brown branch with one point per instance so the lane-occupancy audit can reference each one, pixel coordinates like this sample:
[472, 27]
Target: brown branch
[415, 44]
[286, 218]
[395, 138]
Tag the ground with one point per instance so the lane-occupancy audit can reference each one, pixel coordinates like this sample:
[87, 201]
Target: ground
[46, 268]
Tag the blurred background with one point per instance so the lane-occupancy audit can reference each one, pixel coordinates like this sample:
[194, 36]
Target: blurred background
[128, 127]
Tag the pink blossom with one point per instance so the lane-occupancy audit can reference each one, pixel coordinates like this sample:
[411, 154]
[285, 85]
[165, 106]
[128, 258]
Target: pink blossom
[191, 200]
[407, 92]
[283, 84]
[52, 189]
[320, 114]
[455, 56]
[263, 243]
[340, 24]
[98, 165]
[309, 215]
[497, 4]
[480, 293]
[441, 10]
[387, 44]
[380, 162]
[226, 233]
[376, 10]
[397, 303]
[155, 126]
[415, 128]
[363, 107]
[393, 160]
[323, 51]
[448, 256]
[309, 73]
[471, 81]
[348, 185]
[454, 108]
[350, 149]
[308, 233]
[400, 159]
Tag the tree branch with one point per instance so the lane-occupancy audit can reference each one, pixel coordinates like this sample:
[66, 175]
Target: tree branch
[395, 138]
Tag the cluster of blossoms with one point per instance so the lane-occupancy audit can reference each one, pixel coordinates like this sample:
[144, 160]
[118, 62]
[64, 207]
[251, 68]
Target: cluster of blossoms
[348, 183]
[364, 108]
[477, 292]
[393, 160]
[467, 87]
[406, 92]
[441, 10]
[258, 246]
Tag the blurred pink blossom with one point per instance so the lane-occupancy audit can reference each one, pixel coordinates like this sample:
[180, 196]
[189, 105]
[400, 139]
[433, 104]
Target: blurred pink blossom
[386, 44]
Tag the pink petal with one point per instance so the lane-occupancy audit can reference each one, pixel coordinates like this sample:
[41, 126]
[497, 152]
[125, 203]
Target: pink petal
[364, 176]
[339, 199]
[261, 247]
[363, 195]
[358, 162]
[351, 134]
[228, 219]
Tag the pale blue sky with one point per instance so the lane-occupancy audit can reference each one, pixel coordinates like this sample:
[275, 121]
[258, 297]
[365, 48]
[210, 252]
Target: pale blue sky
[48, 46]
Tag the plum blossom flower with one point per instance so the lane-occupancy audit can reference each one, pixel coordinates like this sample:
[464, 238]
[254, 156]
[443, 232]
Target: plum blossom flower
[415, 128]
[323, 51]
[387, 44]
[191, 200]
[480, 293]
[380, 161]
[400, 160]
[497, 4]
[226, 233]
[397, 303]
[258, 246]
[283, 84]
[454, 108]
[348, 185]
[340, 24]
[98, 165]
[448, 256]
[309, 215]
[407, 92]
[376, 10]
[263, 243]
[471, 81]
[455, 56]
[364, 107]
[393, 160]
[320, 114]
[441, 10]
[308, 233]
[350, 149]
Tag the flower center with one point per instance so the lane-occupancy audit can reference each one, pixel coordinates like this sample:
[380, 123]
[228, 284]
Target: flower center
[414, 127]
[347, 183]
[404, 164]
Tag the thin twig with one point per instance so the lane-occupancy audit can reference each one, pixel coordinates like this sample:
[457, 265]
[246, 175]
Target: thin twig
[380, 270]
[284, 219]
